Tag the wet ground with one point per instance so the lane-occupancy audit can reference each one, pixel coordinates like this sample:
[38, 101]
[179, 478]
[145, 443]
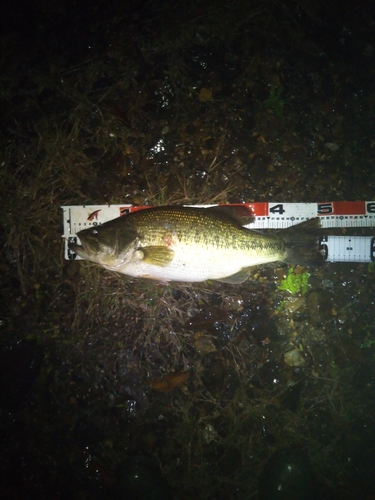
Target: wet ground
[210, 102]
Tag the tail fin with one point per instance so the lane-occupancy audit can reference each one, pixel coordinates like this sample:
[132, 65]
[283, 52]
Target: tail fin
[302, 243]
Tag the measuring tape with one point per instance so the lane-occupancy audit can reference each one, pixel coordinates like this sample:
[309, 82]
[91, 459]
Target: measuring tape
[334, 214]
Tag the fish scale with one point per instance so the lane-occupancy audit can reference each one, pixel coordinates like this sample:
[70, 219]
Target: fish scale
[210, 232]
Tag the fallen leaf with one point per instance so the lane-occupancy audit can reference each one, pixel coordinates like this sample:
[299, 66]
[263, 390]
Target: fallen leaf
[169, 382]
[204, 345]
[204, 94]
[332, 146]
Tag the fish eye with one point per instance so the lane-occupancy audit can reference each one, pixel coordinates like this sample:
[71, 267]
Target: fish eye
[95, 231]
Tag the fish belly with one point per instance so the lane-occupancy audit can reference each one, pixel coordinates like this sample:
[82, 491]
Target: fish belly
[196, 266]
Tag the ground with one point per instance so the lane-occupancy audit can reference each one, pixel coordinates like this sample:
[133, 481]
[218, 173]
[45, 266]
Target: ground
[155, 103]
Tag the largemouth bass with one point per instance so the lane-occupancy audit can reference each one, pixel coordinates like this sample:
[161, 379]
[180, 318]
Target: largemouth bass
[193, 244]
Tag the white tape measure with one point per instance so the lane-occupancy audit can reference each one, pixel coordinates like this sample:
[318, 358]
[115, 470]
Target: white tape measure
[335, 214]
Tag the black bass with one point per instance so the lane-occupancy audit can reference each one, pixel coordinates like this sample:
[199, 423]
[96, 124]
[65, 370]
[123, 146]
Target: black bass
[193, 244]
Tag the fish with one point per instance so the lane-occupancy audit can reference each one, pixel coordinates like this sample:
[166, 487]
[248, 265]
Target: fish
[191, 244]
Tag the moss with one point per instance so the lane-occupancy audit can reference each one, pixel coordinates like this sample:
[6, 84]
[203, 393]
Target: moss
[295, 282]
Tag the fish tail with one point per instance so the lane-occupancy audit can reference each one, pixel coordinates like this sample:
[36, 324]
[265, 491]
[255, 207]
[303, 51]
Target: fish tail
[302, 243]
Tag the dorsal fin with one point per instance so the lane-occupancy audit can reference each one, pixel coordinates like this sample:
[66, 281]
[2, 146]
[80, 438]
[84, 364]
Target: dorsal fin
[241, 213]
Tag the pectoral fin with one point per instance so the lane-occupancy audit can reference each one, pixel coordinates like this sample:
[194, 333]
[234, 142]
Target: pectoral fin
[157, 255]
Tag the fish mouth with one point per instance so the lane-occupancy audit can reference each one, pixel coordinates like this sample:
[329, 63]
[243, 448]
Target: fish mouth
[78, 249]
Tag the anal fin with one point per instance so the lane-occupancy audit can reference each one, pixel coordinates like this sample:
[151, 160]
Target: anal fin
[237, 278]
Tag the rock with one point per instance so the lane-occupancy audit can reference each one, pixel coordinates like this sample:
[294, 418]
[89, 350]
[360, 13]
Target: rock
[294, 358]
[319, 306]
